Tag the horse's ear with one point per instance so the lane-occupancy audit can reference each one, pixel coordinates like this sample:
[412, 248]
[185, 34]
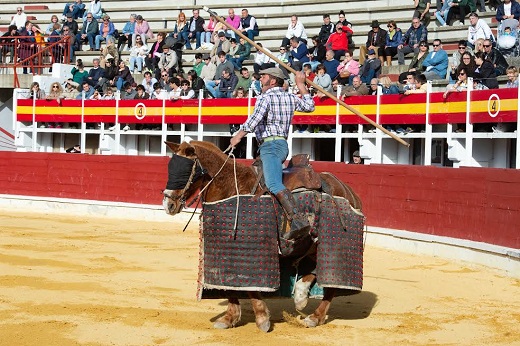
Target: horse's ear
[174, 147]
[189, 151]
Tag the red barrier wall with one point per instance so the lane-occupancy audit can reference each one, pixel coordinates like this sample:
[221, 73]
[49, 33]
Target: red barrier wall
[480, 204]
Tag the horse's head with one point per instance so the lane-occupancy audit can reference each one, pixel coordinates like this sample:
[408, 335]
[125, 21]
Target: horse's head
[184, 173]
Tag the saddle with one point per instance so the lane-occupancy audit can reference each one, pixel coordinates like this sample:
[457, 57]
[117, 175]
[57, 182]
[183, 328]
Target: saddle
[298, 174]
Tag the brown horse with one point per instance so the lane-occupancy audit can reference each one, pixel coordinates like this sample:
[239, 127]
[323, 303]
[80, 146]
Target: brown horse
[209, 168]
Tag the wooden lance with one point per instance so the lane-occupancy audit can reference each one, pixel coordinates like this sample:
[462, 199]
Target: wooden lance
[316, 86]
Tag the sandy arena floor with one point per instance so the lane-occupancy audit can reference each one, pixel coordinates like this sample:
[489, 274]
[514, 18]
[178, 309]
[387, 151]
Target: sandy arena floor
[84, 281]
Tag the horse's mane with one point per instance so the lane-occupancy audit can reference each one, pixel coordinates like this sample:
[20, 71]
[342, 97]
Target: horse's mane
[212, 159]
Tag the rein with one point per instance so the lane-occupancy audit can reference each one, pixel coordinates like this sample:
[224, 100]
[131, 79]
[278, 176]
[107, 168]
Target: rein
[198, 197]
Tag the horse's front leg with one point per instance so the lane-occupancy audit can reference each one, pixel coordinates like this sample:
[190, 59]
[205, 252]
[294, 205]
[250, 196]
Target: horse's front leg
[318, 317]
[301, 291]
[262, 313]
[232, 315]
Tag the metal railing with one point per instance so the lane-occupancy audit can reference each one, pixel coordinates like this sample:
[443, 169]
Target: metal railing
[33, 54]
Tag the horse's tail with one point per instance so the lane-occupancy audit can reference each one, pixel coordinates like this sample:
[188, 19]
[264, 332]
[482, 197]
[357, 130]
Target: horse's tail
[335, 187]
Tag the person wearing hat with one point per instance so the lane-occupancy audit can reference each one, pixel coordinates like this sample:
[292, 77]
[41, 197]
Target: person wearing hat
[376, 40]
[71, 24]
[371, 68]
[356, 159]
[270, 122]
[167, 62]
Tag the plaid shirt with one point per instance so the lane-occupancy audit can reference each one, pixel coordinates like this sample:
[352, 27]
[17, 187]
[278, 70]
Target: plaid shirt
[413, 36]
[273, 113]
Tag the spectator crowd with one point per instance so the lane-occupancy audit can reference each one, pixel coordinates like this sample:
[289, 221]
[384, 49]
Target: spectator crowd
[326, 56]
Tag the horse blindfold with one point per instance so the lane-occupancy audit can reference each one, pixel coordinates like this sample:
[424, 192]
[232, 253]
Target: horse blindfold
[179, 172]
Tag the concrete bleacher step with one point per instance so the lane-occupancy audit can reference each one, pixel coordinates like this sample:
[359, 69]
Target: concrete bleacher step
[273, 18]
[35, 8]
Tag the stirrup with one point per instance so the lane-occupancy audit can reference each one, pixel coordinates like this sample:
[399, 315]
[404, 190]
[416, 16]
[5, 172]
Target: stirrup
[300, 227]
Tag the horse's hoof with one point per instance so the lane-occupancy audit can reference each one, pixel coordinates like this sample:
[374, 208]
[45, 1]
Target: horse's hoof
[312, 321]
[301, 294]
[221, 325]
[227, 321]
[264, 326]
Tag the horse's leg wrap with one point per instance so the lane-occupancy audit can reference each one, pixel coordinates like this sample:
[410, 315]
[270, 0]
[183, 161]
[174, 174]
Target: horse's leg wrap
[231, 317]
[299, 222]
[301, 294]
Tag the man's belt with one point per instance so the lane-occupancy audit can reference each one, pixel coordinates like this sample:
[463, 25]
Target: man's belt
[271, 138]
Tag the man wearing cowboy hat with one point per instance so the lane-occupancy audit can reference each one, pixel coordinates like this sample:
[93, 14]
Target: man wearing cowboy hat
[270, 121]
[376, 40]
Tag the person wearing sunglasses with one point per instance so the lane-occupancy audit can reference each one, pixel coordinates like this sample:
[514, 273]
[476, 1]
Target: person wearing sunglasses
[467, 62]
[456, 58]
[416, 65]
[55, 93]
[88, 33]
[436, 63]
[19, 18]
[394, 36]
[460, 85]
[496, 57]
[106, 31]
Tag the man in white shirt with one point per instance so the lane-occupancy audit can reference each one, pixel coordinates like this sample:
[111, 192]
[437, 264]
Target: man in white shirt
[175, 85]
[19, 18]
[295, 29]
[478, 29]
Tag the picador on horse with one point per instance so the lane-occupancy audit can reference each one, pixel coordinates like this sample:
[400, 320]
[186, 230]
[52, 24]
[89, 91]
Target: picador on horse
[252, 244]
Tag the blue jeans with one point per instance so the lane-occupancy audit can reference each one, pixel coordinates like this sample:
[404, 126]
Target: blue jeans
[237, 62]
[212, 88]
[273, 154]
[197, 39]
[100, 39]
[251, 34]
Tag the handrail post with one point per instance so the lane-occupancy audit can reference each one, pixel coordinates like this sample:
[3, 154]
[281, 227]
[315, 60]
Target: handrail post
[517, 165]
[469, 126]
[249, 137]
[428, 127]
[378, 158]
